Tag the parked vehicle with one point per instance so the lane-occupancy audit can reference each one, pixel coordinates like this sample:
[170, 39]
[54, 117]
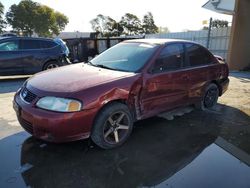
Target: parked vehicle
[9, 35]
[26, 55]
[133, 80]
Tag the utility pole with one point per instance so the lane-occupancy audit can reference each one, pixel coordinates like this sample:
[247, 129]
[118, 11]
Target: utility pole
[209, 32]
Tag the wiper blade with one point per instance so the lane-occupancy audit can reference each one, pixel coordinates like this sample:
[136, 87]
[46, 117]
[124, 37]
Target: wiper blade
[104, 66]
[90, 63]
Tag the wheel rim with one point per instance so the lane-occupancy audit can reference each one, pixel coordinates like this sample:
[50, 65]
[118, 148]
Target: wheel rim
[116, 128]
[210, 97]
[52, 66]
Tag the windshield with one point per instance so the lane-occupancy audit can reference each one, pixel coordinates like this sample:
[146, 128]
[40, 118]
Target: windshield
[129, 57]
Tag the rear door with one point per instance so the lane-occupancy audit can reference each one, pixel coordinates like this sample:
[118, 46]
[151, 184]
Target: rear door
[166, 86]
[201, 68]
[33, 55]
[11, 58]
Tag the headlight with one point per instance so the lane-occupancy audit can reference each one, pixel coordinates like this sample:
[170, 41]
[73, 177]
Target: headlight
[59, 104]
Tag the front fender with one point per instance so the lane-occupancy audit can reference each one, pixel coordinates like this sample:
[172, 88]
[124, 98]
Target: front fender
[114, 95]
[126, 90]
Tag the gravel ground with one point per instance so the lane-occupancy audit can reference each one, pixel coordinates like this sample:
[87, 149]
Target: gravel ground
[238, 94]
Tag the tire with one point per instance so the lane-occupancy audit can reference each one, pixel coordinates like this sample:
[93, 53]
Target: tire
[112, 127]
[51, 65]
[210, 98]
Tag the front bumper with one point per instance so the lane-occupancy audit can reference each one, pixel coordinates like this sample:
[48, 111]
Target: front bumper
[53, 126]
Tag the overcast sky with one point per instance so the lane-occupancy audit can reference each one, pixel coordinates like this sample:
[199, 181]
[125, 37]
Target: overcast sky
[177, 15]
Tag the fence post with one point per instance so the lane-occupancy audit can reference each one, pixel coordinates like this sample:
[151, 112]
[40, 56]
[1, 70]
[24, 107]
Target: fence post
[209, 32]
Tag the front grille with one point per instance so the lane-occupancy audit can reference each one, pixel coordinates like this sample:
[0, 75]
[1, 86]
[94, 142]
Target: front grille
[27, 95]
[26, 125]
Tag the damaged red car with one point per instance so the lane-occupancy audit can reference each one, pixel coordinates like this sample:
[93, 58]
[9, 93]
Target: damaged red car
[131, 81]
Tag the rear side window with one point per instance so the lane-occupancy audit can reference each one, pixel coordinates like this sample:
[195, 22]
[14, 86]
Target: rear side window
[170, 58]
[9, 45]
[30, 44]
[47, 44]
[197, 55]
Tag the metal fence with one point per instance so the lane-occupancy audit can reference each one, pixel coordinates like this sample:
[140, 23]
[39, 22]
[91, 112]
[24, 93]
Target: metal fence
[217, 42]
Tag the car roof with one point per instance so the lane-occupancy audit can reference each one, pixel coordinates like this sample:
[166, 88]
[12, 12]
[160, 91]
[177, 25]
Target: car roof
[1, 38]
[18, 37]
[158, 41]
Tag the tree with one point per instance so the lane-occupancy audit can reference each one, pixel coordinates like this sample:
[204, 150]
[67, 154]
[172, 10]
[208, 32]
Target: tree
[131, 24]
[106, 26]
[54, 24]
[205, 28]
[163, 30]
[117, 29]
[148, 24]
[22, 16]
[30, 17]
[42, 27]
[61, 22]
[219, 23]
[2, 21]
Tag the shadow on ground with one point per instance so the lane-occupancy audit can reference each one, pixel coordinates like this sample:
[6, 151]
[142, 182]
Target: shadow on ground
[159, 153]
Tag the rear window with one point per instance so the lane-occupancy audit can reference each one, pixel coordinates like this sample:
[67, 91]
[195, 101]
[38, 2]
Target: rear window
[198, 55]
[47, 44]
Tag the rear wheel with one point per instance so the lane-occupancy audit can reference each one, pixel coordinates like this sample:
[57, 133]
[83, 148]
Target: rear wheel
[210, 97]
[113, 126]
[51, 65]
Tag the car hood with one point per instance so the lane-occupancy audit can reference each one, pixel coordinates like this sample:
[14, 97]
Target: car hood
[73, 78]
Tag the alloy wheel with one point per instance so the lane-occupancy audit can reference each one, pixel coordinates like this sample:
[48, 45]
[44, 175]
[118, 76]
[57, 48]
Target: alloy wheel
[116, 128]
[211, 97]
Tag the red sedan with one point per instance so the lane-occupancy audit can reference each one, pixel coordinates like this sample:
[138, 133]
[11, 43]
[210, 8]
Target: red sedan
[133, 80]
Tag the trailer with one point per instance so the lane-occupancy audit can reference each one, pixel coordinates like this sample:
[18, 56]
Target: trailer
[85, 48]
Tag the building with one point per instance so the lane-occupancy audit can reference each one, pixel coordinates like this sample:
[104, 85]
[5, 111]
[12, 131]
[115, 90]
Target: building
[239, 47]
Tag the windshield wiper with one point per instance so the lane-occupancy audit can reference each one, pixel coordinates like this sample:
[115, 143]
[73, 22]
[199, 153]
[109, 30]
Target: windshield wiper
[98, 65]
[90, 63]
[104, 66]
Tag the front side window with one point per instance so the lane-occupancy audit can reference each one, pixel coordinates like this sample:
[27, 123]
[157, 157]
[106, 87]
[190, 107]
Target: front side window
[170, 58]
[129, 57]
[198, 55]
[30, 44]
[9, 46]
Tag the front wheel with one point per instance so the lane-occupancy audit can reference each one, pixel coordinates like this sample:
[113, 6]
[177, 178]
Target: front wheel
[112, 126]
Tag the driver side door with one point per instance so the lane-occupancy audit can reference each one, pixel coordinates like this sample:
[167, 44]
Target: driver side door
[165, 87]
